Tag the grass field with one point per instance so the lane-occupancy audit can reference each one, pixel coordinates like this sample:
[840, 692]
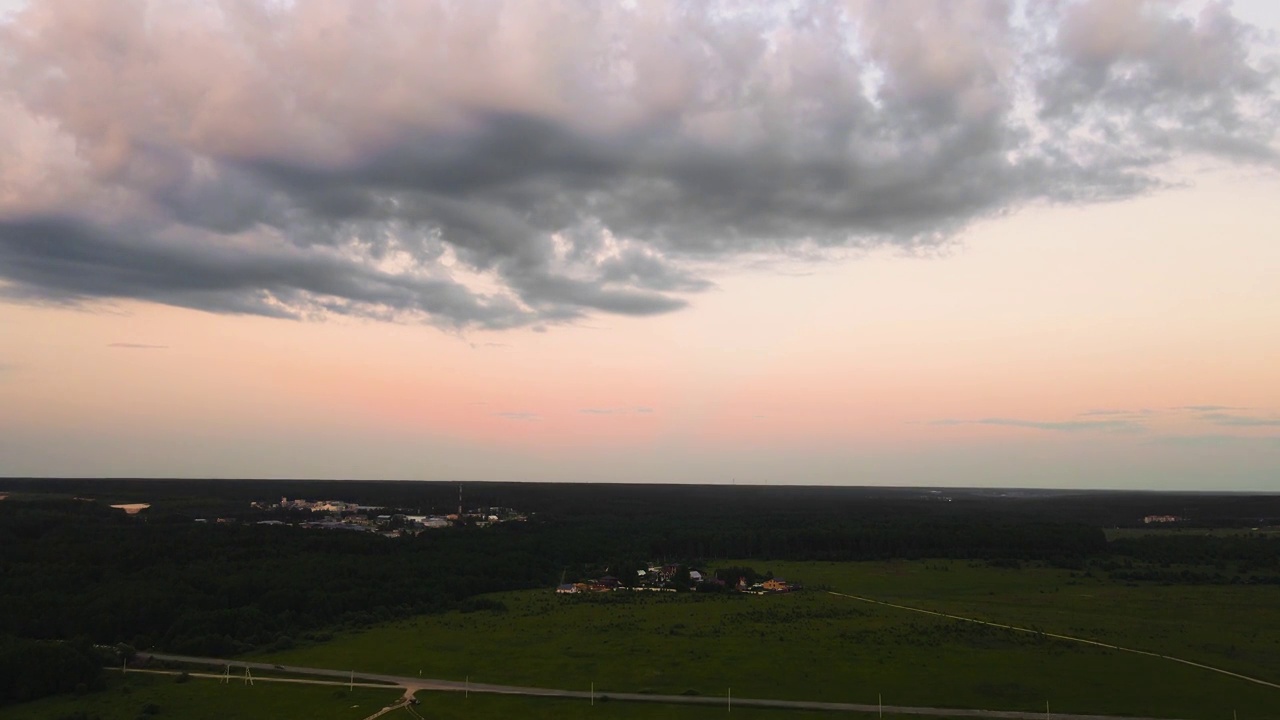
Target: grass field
[808, 645]
[201, 699]
[815, 646]
[451, 706]
[1236, 627]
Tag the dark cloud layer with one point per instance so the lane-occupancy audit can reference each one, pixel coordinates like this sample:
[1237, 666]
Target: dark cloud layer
[499, 165]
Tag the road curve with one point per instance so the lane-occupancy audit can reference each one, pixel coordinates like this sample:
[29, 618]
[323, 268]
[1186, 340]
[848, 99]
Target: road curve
[414, 684]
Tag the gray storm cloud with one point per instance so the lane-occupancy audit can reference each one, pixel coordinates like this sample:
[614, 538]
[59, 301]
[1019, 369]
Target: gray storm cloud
[507, 164]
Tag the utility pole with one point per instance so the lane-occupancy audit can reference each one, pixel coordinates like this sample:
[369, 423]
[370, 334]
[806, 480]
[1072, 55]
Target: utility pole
[1046, 710]
[466, 692]
[593, 694]
[352, 683]
[730, 700]
[880, 702]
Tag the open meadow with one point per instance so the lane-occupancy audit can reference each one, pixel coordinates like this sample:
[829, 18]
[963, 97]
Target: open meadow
[1235, 627]
[454, 706]
[812, 645]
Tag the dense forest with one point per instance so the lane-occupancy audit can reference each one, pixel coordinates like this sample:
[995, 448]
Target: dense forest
[31, 669]
[79, 570]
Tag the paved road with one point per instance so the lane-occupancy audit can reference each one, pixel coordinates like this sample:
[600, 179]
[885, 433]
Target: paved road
[239, 679]
[1070, 638]
[413, 684]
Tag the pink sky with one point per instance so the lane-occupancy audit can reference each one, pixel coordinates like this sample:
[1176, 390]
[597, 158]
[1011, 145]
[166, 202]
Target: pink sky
[1033, 340]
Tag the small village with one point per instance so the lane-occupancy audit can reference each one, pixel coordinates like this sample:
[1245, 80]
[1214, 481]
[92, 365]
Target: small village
[388, 522]
[677, 578]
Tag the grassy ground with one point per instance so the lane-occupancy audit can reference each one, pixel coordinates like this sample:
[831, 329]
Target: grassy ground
[816, 646]
[808, 645]
[1236, 627]
[451, 706]
[202, 699]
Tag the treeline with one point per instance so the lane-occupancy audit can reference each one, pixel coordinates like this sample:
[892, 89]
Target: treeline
[1189, 559]
[790, 538]
[77, 569]
[1253, 551]
[214, 498]
[32, 669]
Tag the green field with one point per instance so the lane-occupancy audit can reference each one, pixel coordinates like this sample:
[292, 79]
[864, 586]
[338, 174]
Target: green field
[1235, 627]
[805, 646]
[202, 699]
[452, 706]
[815, 646]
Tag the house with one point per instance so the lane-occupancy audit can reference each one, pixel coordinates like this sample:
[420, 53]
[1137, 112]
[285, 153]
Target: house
[742, 585]
[776, 585]
[566, 589]
[695, 576]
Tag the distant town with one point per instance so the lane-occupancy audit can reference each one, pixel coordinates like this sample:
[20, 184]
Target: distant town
[389, 522]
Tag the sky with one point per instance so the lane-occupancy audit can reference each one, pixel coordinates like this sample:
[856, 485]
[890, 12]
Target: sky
[923, 243]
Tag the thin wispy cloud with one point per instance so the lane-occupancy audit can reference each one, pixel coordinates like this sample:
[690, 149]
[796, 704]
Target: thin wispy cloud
[1208, 408]
[137, 346]
[1054, 426]
[519, 416]
[639, 410]
[1215, 440]
[1232, 420]
[634, 151]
